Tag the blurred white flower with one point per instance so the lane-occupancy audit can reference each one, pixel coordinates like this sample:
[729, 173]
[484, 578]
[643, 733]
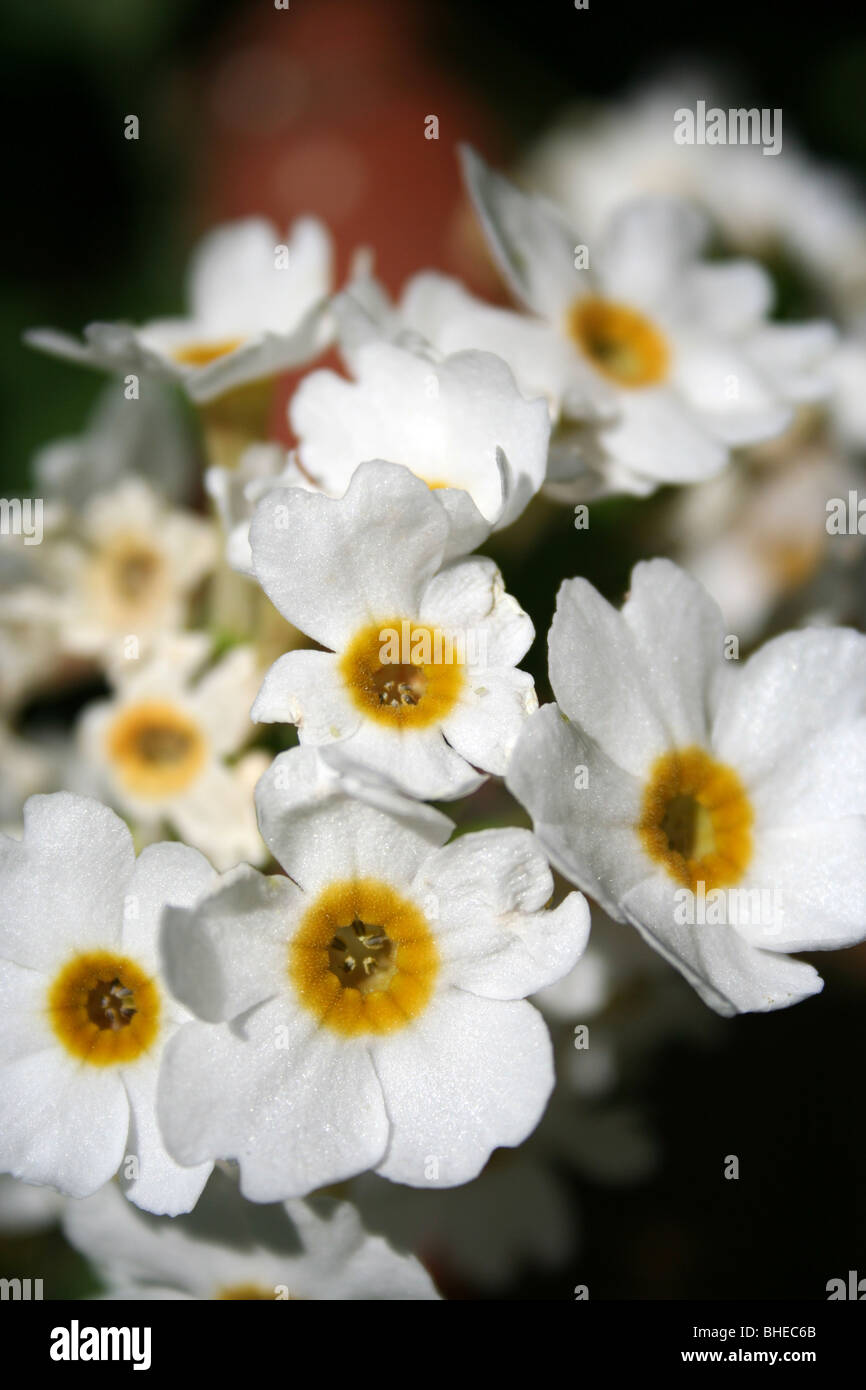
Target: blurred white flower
[595, 160]
[159, 749]
[85, 1015]
[660, 362]
[143, 438]
[124, 574]
[367, 1012]
[420, 680]
[701, 779]
[228, 1249]
[256, 308]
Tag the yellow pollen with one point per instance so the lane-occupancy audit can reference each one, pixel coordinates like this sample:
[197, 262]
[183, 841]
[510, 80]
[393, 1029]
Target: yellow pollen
[156, 748]
[104, 1008]
[403, 673]
[202, 354]
[363, 959]
[619, 342]
[696, 820]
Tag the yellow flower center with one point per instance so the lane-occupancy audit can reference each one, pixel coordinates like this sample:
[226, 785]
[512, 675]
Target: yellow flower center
[157, 749]
[404, 673]
[202, 354]
[248, 1293]
[696, 820]
[129, 576]
[104, 1008]
[619, 342]
[363, 959]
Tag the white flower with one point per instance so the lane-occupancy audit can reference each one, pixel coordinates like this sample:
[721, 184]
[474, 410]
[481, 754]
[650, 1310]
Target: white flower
[85, 1015]
[368, 1011]
[456, 423]
[144, 438]
[126, 574]
[419, 681]
[228, 1249]
[757, 536]
[718, 810]
[159, 747]
[627, 150]
[665, 361]
[255, 309]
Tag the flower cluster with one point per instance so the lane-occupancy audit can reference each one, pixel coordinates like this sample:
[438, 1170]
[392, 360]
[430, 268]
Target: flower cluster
[243, 957]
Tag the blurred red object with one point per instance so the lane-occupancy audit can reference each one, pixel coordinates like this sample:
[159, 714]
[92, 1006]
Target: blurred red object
[322, 108]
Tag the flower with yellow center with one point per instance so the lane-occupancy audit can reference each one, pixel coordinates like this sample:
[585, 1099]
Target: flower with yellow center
[86, 1011]
[232, 1251]
[419, 681]
[369, 1010]
[720, 809]
[160, 747]
[655, 363]
[129, 573]
[256, 308]
[459, 424]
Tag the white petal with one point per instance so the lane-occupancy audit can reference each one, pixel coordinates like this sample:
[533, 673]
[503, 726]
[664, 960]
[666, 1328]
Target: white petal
[229, 952]
[470, 599]
[419, 761]
[730, 975]
[305, 688]
[647, 245]
[224, 696]
[531, 240]
[777, 710]
[164, 873]
[820, 881]
[586, 823]
[332, 567]
[63, 885]
[297, 1110]
[469, 1076]
[488, 890]
[62, 1122]
[322, 826]
[217, 815]
[160, 1185]
[485, 725]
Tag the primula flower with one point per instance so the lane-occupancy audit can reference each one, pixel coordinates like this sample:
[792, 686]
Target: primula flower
[419, 681]
[456, 423]
[228, 1249]
[253, 312]
[719, 810]
[128, 572]
[159, 747]
[664, 361]
[368, 1011]
[85, 1012]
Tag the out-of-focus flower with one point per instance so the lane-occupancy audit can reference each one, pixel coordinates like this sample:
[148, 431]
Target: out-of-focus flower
[85, 1015]
[256, 308]
[143, 437]
[160, 747]
[659, 362]
[228, 1249]
[367, 1012]
[125, 574]
[594, 161]
[720, 812]
[757, 537]
[420, 679]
